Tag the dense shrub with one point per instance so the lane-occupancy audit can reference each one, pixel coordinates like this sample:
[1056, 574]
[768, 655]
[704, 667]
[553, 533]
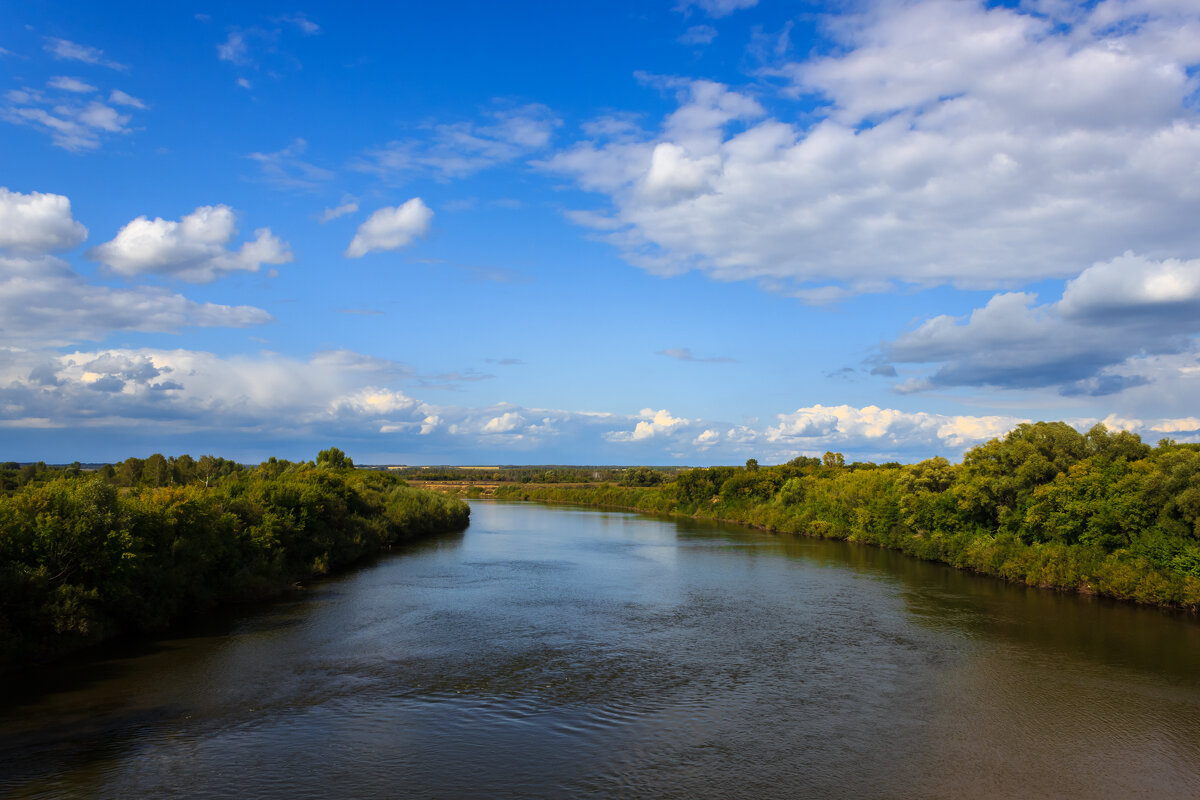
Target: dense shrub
[82, 559]
[1046, 505]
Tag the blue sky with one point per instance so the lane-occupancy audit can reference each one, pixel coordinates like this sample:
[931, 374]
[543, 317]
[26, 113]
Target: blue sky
[594, 233]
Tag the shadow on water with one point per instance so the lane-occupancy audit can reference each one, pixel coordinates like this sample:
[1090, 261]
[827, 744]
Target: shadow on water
[1097, 629]
[113, 659]
[91, 710]
[76, 744]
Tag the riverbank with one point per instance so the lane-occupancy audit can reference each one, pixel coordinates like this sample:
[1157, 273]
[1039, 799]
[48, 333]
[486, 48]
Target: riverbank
[1097, 513]
[1078, 569]
[83, 560]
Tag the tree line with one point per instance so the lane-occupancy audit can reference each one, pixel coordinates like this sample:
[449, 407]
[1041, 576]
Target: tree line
[537, 474]
[87, 556]
[1097, 512]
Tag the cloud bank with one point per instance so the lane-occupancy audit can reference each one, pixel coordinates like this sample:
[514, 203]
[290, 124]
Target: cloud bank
[952, 142]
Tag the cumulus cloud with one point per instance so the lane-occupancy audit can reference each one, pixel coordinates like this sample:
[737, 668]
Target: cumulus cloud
[194, 249]
[652, 423]
[1113, 314]
[507, 422]
[340, 393]
[194, 388]
[38, 222]
[43, 302]
[886, 429]
[159, 394]
[953, 142]
[455, 150]
[391, 228]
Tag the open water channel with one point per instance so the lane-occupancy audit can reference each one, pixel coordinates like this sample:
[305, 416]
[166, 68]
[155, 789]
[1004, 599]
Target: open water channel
[554, 652]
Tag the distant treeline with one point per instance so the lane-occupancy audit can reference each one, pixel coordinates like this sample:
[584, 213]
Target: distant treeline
[531, 474]
[85, 556]
[1100, 512]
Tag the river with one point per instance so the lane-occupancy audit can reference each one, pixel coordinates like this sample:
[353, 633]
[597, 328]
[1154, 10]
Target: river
[553, 652]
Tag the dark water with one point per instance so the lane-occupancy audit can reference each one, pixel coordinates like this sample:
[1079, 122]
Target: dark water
[553, 652]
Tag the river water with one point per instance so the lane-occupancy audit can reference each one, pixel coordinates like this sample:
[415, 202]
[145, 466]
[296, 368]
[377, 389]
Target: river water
[554, 652]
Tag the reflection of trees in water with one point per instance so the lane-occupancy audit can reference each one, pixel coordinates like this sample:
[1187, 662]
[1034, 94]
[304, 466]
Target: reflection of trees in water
[1096, 629]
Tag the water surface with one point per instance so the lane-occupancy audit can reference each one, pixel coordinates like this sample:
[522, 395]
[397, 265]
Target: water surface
[556, 652]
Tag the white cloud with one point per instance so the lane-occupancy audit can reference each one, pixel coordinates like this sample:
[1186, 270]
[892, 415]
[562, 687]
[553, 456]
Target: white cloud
[43, 302]
[286, 170]
[71, 125]
[192, 249]
[376, 401]
[234, 49]
[964, 144]
[69, 84]
[698, 34]
[188, 388]
[391, 228]
[1114, 314]
[460, 149]
[339, 211]
[38, 222]
[886, 429]
[505, 423]
[1161, 293]
[717, 8]
[97, 115]
[305, 25]
[65, 50]
[157, 394]
[119, 98]
[652, 423]
[245, 84]
[685, 354]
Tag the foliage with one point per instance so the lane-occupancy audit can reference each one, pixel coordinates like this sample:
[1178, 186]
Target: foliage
[1100, 512]
[84, 556]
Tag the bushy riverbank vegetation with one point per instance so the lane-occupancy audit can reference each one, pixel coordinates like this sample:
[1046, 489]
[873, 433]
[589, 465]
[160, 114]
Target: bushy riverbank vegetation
[85, 556]
[1099, 512]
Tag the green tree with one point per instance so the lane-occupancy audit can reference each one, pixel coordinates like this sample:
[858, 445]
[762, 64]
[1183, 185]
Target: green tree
[333, 458]
[156, 471]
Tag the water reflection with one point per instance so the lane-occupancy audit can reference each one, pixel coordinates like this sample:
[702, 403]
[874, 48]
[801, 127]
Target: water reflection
[562, 652]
